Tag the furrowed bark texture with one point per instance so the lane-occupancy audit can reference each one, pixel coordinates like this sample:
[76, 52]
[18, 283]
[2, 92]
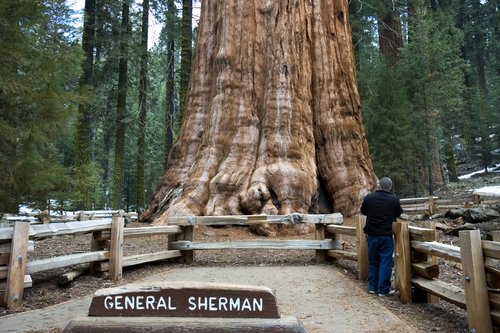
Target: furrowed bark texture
[272, 115]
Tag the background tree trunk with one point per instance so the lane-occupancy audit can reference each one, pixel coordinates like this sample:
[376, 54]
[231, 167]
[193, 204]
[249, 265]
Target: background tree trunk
[272, 115]
[170, 81]
[390, 35]
[121, 112]
[186, 28]
[84, 127]
[143, 95]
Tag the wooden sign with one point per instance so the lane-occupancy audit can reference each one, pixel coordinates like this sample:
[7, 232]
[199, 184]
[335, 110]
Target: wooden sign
[185, 299]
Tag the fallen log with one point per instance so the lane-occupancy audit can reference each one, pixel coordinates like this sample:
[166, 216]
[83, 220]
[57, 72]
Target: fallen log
[72, 275]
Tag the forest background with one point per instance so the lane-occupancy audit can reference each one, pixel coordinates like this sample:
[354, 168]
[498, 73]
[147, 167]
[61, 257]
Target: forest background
[89, 113]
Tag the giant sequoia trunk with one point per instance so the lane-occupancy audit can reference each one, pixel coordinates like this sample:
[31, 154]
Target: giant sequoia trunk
[272, 115]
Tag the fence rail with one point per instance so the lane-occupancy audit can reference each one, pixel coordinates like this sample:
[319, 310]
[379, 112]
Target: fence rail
[106, 251]
[432, 205]
[415, 261]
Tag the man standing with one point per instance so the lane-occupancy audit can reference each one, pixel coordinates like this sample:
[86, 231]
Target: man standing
[381, 209]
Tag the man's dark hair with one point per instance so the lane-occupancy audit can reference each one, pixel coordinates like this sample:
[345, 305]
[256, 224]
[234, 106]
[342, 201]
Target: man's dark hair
[385, 184]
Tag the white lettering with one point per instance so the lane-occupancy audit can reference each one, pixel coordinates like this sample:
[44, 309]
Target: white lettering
[223, 303]
[234, 304]
[140, 305]
[129, 302]
[192, 304]
[170, 306]
[212, 306]
[108, 302]
[213, 303]
[161, 304]
[150, 302]
[246, 305]
[118, 303]
[258, 303]
[204, 304]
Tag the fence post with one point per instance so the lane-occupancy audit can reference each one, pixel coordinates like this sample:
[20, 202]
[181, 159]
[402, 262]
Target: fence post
[476, 293]
[116, 248]
[95, 245]
[187, 235]
[319, 234]
[434, 260]
[432, 206]
[17, 265]
[362, 250]
[402, 261]
[476, 199]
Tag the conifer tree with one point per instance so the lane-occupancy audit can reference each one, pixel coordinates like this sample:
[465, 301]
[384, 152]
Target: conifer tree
[121, 111]
[83, 147]
[433, 70]
[186, 31]
[143, 93]
[171, 19]
[386, 111]
[40, 66]
[479, 115]
[388, 123]
[479, 40]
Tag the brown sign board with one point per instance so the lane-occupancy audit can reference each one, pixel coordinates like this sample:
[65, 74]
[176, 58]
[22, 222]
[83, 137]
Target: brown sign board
[185, 299]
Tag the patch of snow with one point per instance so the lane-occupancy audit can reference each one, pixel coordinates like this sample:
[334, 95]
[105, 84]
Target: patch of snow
[495, 168]
[492, 191]
[25, 210]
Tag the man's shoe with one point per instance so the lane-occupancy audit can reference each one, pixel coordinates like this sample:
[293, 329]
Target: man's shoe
[390, 293]
[372, 292]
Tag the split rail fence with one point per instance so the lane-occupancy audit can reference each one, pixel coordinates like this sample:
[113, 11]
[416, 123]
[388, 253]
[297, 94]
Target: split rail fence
[432, 205]
[415, 260]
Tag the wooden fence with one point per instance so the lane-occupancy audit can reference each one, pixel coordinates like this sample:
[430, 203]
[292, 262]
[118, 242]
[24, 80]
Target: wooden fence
[432, 205]
[106, 251]
[415, 260]
[81, 215]
[416, 269]
[107, 245]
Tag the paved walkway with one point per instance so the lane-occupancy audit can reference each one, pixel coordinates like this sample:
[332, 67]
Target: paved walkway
[320, 296]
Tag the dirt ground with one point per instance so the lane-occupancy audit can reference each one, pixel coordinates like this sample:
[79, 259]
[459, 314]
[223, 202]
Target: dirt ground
[439, 317]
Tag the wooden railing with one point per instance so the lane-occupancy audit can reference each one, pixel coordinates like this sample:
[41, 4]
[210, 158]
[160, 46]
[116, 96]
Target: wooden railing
[106, 251]
[187, 244]
[81, 215]
[107, 245]
[415, 260]
[432, 205]
[416, 268]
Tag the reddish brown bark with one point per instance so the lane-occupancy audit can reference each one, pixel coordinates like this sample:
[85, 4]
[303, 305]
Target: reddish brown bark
[390, 36]
[272, 113]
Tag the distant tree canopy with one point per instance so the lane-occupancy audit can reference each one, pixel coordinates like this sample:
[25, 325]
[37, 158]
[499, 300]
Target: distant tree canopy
[40, 64]
[428, 101]
[427, 73]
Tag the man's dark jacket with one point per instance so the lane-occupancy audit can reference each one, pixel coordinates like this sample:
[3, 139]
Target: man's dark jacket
[381, 209]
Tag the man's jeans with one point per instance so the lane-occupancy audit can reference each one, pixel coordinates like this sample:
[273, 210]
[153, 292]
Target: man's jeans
[380, 250]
